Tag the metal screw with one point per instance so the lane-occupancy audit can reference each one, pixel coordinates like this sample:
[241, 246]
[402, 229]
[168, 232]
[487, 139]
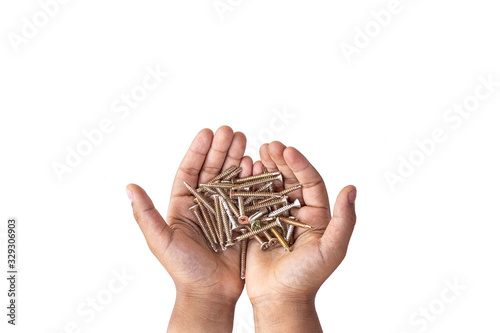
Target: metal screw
[267, 204]
[218, 218]
[256, 177]
[218, 185]
[233, 174]
[263, 245]
[254, 194]
[225, 223]
[271, 240]
[194, 209]
[223, 174]
[209, 222]
[260, 189]
[289, 235]
[243, 219]
[200, 198]
[291, 189]
[258, 231]
[295, 222]
[230, 204]
[243, 258]
[277, 212]
[258, 181]
[281, 239]
[257, 215]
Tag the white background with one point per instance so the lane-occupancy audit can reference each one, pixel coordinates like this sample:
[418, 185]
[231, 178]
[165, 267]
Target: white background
[352, 120]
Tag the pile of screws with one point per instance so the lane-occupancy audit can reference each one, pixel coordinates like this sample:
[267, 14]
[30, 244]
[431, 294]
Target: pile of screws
[231, 209]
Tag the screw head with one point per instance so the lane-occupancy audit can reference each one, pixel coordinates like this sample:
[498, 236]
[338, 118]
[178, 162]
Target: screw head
[296, 203]
[273, 242]
[243, 219]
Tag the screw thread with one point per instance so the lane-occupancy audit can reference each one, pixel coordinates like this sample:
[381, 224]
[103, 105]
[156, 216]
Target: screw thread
[200, 198]
[296, 223]
[256, 177]
[257, 182]
[204, 228]
[209, 223]
[264, 205]
[233, 174]
[223, 174]
[257, 231]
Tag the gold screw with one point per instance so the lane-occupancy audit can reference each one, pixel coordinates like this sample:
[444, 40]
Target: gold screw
[218, 185]
[209, 223]
[258, 231]
[231, 205]
[257, 177]
[254, 194]
[218, 218]
[266, 204]
[258, 181]
[243, 258]
[194, 209]
[295, 222]
[225, 222]
[223, 174]
[242, 219]
[260, 189]
[271, 240]
[233, 174]
[291, 189]
[200, 198]
[263, 245]
[281, 239]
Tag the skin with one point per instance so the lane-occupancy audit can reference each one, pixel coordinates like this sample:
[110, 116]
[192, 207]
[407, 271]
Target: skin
[281, 286]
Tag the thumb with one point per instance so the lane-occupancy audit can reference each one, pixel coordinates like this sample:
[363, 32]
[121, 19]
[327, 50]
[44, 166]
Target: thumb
[156, 231]
[338, 233]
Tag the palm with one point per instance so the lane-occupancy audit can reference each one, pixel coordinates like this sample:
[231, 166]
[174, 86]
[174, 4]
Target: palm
[178, 242]
[190, 258]
[180, 245]
[313, 259]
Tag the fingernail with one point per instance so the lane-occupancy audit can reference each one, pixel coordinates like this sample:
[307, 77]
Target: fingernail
[352, 196]
[130, 195]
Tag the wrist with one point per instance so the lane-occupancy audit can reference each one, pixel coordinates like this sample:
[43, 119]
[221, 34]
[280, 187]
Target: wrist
[290, 314]
[202, 313]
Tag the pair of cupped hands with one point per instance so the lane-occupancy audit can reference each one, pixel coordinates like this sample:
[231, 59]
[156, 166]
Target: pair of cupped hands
[281, 286]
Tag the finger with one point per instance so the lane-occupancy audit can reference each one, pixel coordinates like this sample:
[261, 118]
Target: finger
[217, 154]
[257, 168]
[156, 231]
[236, 151]
[338, 233]
[269, 164]
[246, 164]
[313, 188]
[192, 163]
[276, 150]
[266, 159]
